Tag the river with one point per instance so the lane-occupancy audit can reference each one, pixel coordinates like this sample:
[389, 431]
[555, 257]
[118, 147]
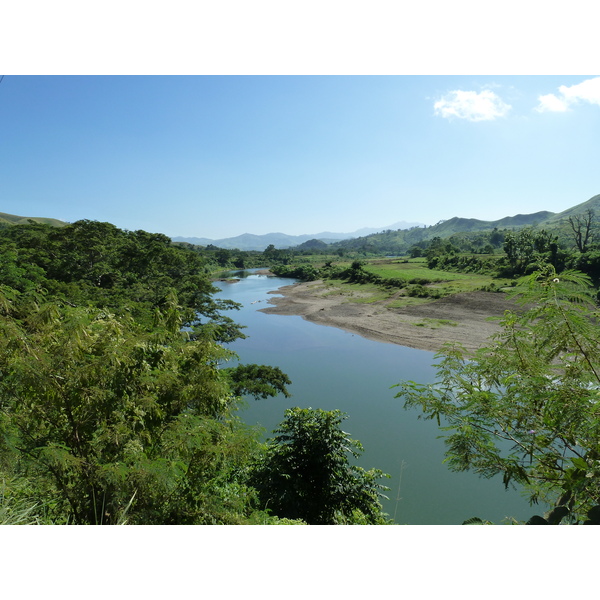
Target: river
[334, 369]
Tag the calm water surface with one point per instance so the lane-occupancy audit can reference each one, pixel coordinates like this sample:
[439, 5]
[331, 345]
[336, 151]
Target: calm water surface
[334, 369]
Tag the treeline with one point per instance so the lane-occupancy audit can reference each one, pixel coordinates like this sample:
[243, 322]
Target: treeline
[222, 259]
[118, 403]
[356, 273]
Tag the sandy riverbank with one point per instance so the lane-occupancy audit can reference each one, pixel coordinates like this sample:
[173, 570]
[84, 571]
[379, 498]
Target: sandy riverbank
[460, 318]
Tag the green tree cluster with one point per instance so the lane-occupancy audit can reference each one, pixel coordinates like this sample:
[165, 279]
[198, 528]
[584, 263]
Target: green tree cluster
[106, 419]
[89, 263]
[116, 401]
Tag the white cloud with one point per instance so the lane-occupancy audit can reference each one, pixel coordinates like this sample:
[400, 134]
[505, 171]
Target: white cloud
[473, 106]
[550, 102]
[586, 91]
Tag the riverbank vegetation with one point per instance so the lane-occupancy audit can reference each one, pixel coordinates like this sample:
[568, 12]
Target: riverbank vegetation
[525, 406]
[117, 401]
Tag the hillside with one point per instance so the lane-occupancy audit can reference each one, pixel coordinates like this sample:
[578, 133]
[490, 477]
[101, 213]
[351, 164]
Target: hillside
[461, 225]
[6, 218]
[399, 242]
[591, 204]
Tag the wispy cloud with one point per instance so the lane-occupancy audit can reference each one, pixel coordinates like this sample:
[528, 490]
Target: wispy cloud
[472, 106]
[586, 91]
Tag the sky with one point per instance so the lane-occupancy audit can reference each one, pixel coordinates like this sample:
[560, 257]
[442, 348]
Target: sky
[219, 156]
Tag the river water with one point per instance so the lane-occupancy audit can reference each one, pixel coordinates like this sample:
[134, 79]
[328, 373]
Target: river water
[334, 369]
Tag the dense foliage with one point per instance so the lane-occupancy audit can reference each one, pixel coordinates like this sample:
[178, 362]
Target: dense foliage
[96, 264]
[103, 412]
[306, 473]
[116, 402]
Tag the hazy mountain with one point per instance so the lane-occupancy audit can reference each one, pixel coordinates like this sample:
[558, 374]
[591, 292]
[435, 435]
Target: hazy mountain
[249, 241]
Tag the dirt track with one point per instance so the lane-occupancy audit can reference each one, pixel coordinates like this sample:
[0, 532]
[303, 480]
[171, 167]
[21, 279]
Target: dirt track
[460, 318]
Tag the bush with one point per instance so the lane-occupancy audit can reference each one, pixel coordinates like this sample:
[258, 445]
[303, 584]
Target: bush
[306, 473]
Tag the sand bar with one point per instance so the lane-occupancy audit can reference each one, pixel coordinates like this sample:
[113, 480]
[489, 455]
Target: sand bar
[463, 317]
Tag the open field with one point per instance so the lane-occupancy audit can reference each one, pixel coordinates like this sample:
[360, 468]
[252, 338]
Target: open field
[416, 268]
[422, 284]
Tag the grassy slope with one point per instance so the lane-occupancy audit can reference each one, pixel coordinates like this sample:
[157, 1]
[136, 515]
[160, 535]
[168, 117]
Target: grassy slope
[17, 220]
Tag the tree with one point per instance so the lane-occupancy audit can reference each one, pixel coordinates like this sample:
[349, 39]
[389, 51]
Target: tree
[581, 226]
[106, 418]
[260, 381]
[528, 247]
[126, 272]
[306, 473]
[496, 238]
[528, 406]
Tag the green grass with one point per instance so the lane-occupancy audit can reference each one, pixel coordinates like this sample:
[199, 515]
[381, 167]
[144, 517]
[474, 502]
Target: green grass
[432, 283]
[446, 281]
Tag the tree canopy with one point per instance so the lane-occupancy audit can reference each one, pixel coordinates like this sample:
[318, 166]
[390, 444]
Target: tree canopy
[114, 403]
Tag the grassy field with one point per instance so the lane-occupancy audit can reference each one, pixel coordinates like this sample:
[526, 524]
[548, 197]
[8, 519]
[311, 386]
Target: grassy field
[422, 284]
[416, 268]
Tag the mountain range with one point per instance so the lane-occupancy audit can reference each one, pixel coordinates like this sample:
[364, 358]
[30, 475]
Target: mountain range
[249, 241]
[400, 242]
[545, 219]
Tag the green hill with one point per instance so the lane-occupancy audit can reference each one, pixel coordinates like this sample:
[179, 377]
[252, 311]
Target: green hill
[461, 225]
[5, 218]
[399, 242]
[591, 204]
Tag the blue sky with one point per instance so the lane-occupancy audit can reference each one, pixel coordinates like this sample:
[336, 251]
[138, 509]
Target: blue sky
[218, 156]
